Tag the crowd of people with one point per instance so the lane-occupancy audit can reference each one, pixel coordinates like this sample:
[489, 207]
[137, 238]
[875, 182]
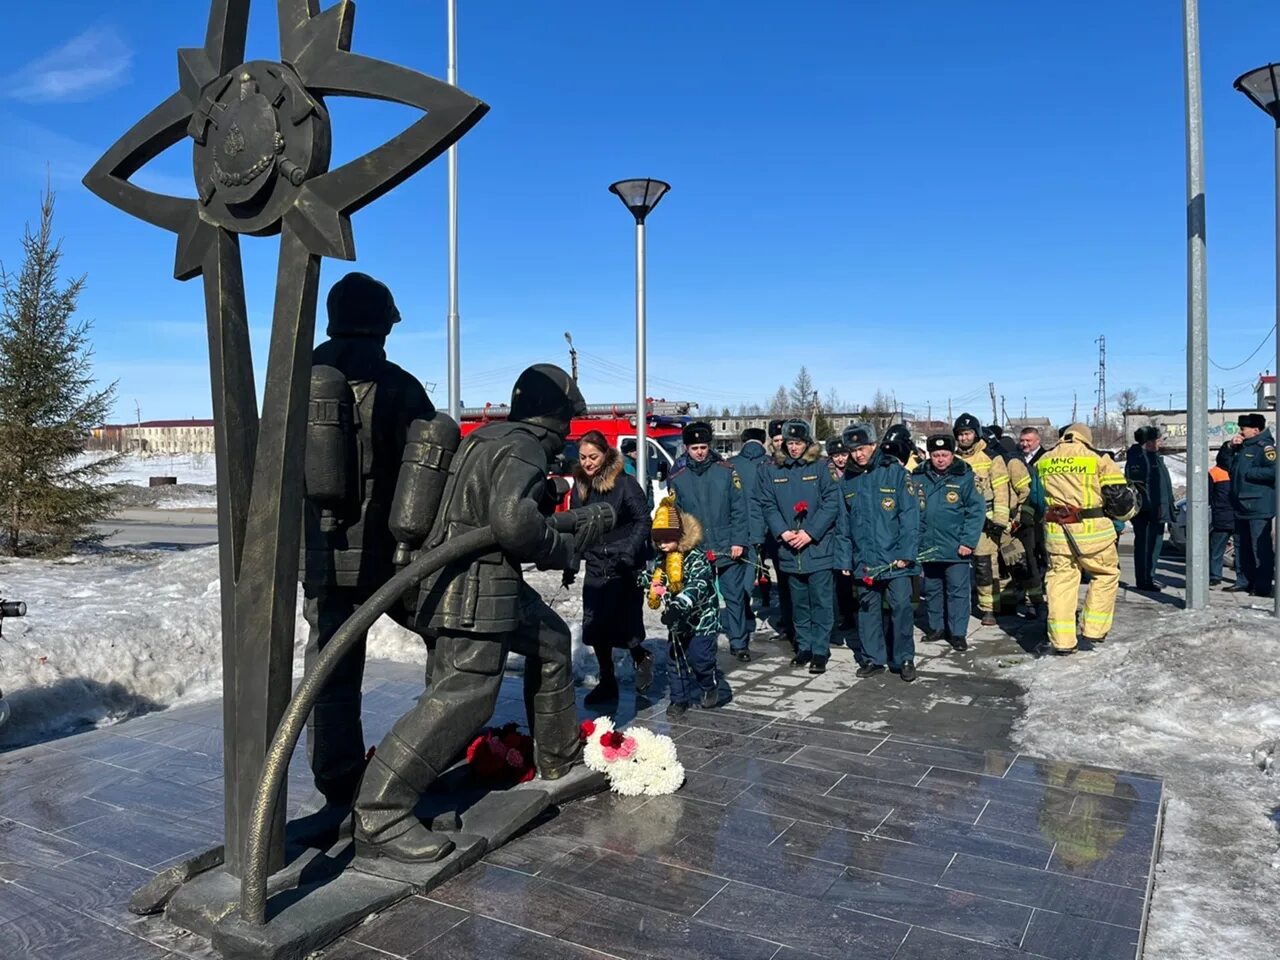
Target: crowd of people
[854, 531]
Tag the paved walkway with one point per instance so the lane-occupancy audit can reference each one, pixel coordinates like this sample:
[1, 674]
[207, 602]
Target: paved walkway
[824, 816]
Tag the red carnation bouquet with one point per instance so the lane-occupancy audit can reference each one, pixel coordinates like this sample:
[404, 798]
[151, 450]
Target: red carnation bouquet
[501, 757]
[801, 511]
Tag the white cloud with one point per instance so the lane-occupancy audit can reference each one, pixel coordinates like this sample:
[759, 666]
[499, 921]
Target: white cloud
[89, 64]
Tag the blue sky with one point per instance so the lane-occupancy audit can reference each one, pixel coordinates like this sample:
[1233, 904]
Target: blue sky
[905, 195]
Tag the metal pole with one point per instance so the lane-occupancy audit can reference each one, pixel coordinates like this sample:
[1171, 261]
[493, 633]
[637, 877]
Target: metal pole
[1275, 523]
[1197, 571]
[454, 322]
[642, 412]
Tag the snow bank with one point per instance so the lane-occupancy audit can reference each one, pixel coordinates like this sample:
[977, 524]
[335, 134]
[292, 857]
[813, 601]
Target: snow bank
[136, 469]
[112, 635]
[1189, 702]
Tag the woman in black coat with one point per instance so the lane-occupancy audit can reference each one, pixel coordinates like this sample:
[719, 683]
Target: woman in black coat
[612, 598]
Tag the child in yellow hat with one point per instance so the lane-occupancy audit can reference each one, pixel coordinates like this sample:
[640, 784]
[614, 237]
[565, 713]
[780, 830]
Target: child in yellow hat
[682, 582]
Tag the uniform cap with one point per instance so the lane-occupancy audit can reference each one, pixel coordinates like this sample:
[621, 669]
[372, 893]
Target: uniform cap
[775, 428]
[836, 445]
[697, 432]
[858, 435]
[754, 433]
[1256, 420]
[940, 441]
[796, 430]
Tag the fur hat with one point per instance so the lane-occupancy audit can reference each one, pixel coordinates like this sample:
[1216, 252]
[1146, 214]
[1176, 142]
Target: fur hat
[858, 435]
[754, 433]
[775, 428]
[966, 421]
[1146, 434]
[940, 441]
[836, 445]
[1256, 420]
[697, 432]
[797, 430]
[666, 520]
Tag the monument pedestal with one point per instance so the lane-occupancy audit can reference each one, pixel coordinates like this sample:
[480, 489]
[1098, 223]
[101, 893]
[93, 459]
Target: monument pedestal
[324, 889]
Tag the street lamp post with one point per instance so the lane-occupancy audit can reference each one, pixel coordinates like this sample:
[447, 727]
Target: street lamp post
[640, 197]
[1197, 570]
[1262, 86]
[453, 322]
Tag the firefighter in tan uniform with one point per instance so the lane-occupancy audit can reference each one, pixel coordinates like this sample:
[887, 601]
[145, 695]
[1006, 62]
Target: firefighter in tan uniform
[1014, 575]
[1084, 492]
[991, 477]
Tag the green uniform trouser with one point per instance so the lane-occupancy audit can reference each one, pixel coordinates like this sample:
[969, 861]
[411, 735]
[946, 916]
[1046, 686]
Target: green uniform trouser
[813, 607]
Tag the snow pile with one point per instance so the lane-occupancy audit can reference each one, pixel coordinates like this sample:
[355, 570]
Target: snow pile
[109, 636]
[137, 469]
[1189, 702]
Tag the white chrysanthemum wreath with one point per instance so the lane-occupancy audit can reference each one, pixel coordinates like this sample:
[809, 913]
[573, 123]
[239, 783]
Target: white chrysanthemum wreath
[637, 761]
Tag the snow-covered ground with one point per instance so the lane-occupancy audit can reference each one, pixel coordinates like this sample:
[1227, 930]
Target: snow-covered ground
[112, 635]
[1189, 701]
[137, 469]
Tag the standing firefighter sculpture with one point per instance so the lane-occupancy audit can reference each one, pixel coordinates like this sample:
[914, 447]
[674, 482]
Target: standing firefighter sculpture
[361, 410]
[477, 611]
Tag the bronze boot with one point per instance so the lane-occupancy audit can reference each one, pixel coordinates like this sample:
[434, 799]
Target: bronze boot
[385, 824]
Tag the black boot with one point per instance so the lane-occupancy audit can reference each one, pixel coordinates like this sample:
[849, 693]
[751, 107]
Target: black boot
[818, 665]
[870, 669]
[643, 668]
[958, 643]
[934, 636]
[605, 692]
[801, 658]
[908, 671]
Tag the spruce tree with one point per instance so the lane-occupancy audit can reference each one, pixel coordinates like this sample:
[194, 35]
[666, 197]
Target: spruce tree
[49, 404]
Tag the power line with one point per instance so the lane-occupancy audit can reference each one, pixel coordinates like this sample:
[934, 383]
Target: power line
[1250, 356]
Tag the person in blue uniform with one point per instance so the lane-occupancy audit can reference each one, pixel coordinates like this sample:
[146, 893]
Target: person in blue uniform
[882, 523]
[951, 516]
[710, 488]
[801, 505]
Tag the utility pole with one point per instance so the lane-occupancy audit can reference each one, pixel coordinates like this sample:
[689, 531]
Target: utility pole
[1004, 416]
[1074, 405]
[992, 388]
[1102, 381]
[929, 406]
[1024, 407]
[950, 417]
[573, 356]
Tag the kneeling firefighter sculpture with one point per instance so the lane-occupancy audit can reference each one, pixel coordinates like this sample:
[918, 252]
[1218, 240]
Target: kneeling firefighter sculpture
[480, 608]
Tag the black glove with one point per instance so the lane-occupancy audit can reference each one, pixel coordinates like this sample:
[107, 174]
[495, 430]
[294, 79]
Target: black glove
[669, 616]
[993, 530]
[568, 578]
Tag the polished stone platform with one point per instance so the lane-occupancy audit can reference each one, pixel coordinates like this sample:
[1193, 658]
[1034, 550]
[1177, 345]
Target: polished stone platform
[793, 838]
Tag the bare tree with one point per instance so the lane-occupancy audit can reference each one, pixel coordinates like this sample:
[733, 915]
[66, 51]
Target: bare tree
[1128, 402]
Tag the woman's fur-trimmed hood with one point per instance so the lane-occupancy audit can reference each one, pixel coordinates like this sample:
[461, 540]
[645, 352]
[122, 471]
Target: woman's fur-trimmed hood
[603, 481]
[812, 454]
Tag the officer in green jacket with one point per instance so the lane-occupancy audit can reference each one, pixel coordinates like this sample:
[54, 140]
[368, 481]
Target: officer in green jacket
[801, 508]
[951, 516]
[1250, 458]
[882, 526]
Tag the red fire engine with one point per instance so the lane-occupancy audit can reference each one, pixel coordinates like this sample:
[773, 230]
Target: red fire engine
[617, 422]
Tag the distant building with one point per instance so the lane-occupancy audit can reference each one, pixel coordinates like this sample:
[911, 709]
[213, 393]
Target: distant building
[1044, 425]
[1266, 392]
[156, 436]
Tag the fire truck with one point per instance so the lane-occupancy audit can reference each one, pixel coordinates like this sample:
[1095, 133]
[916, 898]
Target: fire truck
[664, 424]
